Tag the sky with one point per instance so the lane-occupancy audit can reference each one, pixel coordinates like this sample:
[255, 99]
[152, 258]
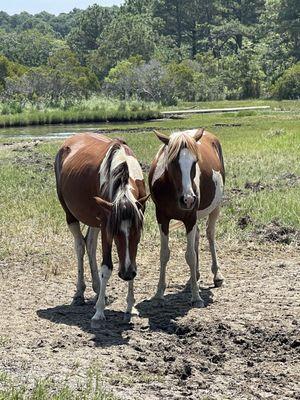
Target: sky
[52, 6]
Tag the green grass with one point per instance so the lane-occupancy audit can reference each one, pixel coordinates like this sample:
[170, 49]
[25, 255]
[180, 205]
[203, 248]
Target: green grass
[74, 117]
[92, 389]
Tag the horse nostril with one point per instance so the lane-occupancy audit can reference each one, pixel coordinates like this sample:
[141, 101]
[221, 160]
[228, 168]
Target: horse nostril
[133, 274]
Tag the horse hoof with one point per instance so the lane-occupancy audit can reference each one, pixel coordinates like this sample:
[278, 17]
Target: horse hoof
[219, 282]
[78, 301]
[127, 317]
[198, 303]
[96, 323]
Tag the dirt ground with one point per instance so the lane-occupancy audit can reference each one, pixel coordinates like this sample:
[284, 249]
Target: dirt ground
[243, 345]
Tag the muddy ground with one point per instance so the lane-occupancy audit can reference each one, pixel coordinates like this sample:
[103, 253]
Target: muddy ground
[243, 345]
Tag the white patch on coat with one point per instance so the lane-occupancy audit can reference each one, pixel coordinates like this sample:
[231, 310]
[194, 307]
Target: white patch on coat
[135, 170]
[120, 156]
[186, 161]
[125, 227]
[218, 181]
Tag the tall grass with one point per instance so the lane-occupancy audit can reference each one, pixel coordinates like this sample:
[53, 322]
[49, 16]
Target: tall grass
[73, 117]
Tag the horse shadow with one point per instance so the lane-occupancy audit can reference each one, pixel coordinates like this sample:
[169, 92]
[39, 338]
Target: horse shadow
[163, 317]
[107, 333]
[111, 331]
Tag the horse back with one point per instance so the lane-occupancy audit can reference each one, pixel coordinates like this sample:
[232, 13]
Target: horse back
[77, 167]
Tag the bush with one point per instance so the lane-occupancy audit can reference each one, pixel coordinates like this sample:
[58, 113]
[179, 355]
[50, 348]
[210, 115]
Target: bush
[288, 85]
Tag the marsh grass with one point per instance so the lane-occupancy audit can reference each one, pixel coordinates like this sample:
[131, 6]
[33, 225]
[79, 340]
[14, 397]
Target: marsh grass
[74, 117]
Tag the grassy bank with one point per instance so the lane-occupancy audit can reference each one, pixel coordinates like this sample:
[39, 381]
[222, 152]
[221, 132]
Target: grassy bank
[74, 117]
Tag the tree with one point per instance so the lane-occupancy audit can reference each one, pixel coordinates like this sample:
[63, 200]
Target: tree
[121, 80]
[288, 85]
[289, 22]
[127, 35]
[30, 48]
[90, 24]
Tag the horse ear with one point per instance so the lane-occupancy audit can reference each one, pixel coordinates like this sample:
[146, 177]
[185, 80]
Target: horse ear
[198, 135]
[142, 201]
[106, 206]
[163, 138]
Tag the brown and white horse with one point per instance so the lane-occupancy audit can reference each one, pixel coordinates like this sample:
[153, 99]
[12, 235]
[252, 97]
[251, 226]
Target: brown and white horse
[186, 183]
[100, 183]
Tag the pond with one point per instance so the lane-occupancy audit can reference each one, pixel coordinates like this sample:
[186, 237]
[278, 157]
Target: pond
[47, 131]
[62, 131]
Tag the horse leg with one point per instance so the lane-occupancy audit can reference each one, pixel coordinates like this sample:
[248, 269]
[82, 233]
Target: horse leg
[164, 258]
[78, 298]
[91, 246]
[105, 273]
[191, 259]
[210, 234]
[197, 238]
[130, 302]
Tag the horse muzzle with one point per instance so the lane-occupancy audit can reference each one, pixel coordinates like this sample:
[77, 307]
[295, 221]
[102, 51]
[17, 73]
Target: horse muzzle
[187, 201]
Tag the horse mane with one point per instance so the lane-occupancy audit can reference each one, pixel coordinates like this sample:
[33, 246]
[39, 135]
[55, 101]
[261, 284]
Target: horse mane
[178, 141]
[124, 202]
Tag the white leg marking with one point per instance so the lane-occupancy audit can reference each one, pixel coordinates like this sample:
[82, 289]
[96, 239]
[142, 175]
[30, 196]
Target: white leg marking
[130, 298]
[210, 234]
[191, 259]
[91, 246]
[80, 250]
[164, 258]
[104, 274]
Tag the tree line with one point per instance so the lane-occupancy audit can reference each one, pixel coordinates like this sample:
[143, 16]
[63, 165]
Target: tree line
[155, 50]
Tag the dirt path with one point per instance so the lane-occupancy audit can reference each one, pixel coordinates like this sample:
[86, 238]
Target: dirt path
[243, 345]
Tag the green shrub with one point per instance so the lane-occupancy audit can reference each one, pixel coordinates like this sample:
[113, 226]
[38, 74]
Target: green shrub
[288, 85]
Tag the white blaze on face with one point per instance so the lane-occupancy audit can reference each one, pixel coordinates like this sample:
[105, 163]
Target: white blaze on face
[186, 161]
[125, 228]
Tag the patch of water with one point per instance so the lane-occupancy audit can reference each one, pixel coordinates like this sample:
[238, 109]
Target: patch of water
[50, 132]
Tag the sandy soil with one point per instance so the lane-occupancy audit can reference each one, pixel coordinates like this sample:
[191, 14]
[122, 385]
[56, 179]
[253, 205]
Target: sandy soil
[243, 345]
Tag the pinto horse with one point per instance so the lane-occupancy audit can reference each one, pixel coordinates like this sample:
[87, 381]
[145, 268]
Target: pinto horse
[100, 184]
[186, 183]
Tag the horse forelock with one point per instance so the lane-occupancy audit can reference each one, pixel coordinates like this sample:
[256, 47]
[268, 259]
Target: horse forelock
[116, 187]
[178, 141]
[124, 209]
